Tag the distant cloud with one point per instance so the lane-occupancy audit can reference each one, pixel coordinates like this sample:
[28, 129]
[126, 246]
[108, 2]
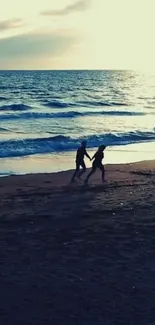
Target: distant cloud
[9, 24]
[77, 6]
[34, 46]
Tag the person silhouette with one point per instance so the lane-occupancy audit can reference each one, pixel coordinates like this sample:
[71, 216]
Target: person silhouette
[81, 153]
[97, 163]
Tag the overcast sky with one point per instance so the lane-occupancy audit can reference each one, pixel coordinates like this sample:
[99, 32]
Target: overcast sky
[77, 34]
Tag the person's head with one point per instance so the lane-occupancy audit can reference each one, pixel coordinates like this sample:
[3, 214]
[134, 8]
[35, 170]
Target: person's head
[84, 144]
[102, 147]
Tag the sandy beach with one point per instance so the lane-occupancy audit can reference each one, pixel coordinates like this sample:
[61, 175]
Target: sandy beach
[75, 254]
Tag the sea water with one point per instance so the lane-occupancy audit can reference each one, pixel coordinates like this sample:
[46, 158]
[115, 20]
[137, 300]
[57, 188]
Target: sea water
[44, 115]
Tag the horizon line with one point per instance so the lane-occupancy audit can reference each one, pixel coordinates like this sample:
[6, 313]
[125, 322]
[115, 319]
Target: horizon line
[69, 70]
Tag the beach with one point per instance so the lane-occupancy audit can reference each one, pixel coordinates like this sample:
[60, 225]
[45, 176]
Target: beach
[64, 161]
[75, 254]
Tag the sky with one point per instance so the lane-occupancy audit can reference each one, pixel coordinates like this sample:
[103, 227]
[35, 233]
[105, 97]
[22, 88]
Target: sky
[77, 34]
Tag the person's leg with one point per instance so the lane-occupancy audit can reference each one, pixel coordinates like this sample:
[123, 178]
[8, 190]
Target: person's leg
[76, 172]
[81, 172]
[90, 174]
[103, 172]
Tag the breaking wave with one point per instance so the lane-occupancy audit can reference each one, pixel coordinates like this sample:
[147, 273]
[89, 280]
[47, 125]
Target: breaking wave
[15, 148]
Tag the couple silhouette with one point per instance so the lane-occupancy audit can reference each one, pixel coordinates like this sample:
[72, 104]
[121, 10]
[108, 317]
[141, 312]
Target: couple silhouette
[97, 162]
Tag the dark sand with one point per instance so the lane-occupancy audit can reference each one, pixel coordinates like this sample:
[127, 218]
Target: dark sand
[78, 255]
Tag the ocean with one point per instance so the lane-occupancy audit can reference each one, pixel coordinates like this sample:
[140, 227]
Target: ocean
[44, 115]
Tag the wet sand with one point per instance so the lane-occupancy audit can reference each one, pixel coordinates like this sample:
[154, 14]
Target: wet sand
[62, 161]
[74, 254]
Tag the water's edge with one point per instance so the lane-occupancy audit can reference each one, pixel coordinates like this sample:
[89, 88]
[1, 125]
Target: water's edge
[52, 163]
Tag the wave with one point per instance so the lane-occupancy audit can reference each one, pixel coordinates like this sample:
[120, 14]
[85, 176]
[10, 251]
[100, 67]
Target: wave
[4, 129]
[3, 87]
[3, 98]
[60, 104]
[15, 107]
[118, 104]
[16, 148]
[100, 103]
[70, 114]
[57, 104]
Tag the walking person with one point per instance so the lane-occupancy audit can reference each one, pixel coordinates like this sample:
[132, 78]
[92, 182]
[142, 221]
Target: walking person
[97, 163]
[81, 153]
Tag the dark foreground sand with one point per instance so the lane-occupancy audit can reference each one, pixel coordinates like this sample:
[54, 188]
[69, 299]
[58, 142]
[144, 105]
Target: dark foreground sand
[78, 255]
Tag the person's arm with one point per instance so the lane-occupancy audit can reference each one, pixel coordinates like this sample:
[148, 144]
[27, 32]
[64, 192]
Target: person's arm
[86, 154]
[93, 156]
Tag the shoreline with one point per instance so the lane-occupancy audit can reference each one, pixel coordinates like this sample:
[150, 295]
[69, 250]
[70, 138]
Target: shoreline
[61, 179]
[57, 162]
